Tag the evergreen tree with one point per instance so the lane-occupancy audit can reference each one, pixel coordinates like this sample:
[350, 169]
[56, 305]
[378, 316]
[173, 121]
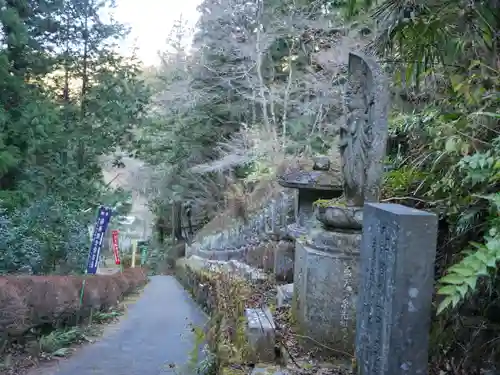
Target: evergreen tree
[67, 98]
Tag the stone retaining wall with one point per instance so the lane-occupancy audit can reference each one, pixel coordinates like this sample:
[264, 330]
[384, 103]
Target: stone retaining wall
[237, 240]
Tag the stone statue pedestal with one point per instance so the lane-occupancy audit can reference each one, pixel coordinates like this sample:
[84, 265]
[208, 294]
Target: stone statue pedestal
[325, 286]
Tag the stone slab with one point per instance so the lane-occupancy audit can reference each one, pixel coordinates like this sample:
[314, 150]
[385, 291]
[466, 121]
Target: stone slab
[283, 260]
[262, 255]
[260, 331]
[299, 269]
[397, 281]
[222, 255]
[284, 295]
[312, 180]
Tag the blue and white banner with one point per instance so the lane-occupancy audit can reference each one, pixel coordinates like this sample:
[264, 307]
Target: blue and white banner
[99, 230]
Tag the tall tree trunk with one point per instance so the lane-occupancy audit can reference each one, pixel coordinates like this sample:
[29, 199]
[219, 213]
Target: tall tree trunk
[85, 80]
[177, 224]
[65, 94]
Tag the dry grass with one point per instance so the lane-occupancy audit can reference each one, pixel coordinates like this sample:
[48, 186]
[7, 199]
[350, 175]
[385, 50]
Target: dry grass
[225, 297]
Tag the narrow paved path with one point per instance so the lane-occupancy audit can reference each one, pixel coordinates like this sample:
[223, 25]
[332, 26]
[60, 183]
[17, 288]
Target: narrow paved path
[154, 333]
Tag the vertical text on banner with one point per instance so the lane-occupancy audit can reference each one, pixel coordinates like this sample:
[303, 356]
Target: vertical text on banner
[97, 238]
[116, 252]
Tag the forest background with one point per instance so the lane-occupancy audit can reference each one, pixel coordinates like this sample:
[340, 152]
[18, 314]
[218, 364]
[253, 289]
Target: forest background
[260, 89]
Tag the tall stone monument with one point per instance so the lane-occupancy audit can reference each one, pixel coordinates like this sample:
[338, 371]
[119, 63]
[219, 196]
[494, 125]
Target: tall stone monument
[397, 280]
[327, 260]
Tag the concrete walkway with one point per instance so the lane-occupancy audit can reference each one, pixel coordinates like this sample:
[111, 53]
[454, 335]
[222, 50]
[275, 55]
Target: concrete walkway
[154, 334]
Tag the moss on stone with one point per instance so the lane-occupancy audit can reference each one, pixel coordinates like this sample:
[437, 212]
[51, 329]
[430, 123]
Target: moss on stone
[228, 370]
[324, 203]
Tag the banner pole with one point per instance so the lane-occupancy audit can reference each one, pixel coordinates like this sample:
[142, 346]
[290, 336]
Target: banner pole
[116, 248]
[103, 218]
[134, 251]
[82, 290]
[85, 274]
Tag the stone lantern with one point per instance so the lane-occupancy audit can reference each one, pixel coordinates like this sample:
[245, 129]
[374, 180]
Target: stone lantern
[320, 183]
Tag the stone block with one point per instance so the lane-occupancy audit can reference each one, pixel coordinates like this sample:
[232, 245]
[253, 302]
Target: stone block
[233, 267]
[267, 261]
[284, 295]
[222, 255]
[260, 331]
[283, 258]
[397, 281]
[298, 275]
[321, 163]
[245, 271]
[262, 255]
[295, 231]
[325, 287]
[192, 249]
